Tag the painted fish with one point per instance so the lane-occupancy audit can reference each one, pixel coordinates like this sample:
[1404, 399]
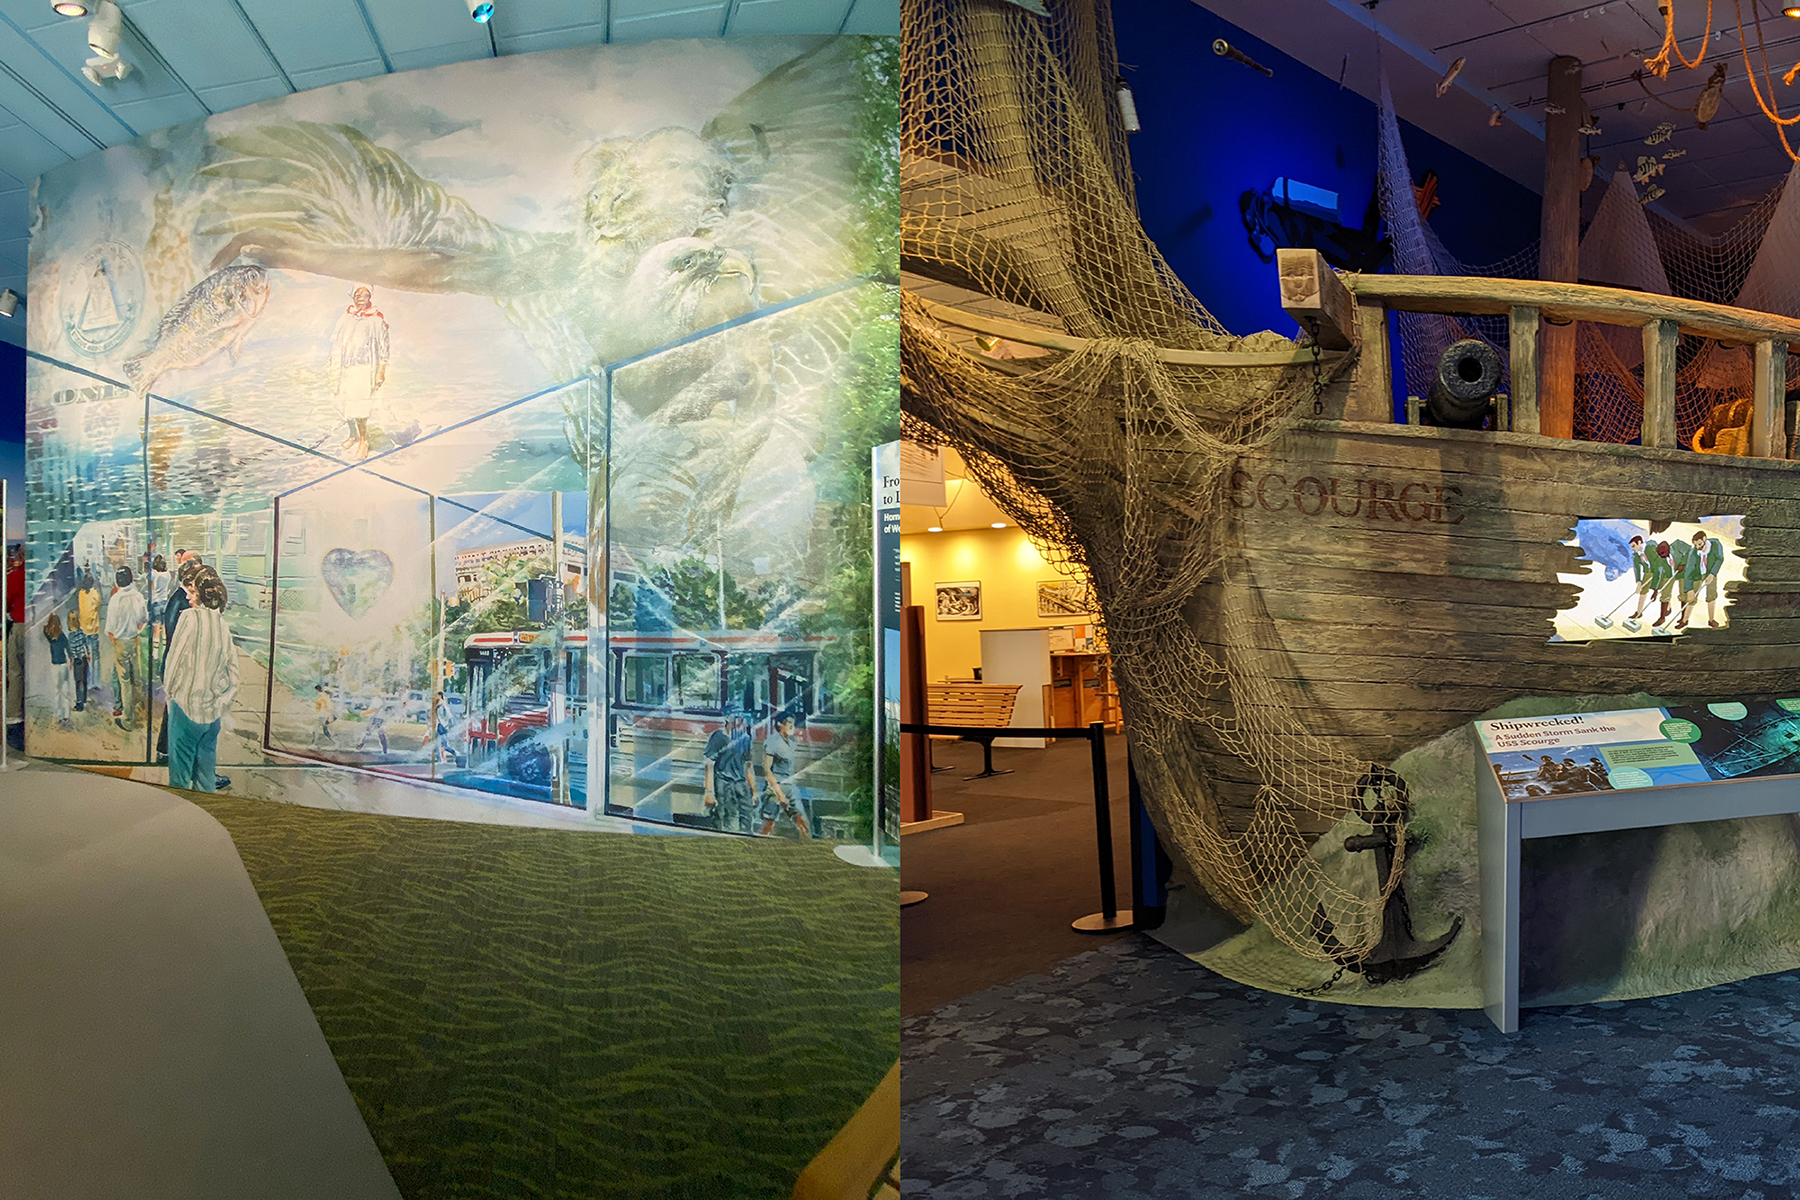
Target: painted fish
[216, 314]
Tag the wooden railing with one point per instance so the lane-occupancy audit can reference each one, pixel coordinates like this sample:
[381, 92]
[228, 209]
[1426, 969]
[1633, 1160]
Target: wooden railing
[1352, 310]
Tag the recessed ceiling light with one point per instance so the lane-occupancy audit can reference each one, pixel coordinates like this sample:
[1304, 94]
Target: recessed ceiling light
[68, 8]
[999, 525]
[1792, 10]
[935, 529]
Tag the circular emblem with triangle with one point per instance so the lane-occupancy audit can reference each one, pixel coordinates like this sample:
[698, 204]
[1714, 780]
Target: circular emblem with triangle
[101, 298]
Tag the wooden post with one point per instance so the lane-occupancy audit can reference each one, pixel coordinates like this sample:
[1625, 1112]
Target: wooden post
[1522, 334]
[1560, 252]
[1769, 404]
[1312, 294]
[1660, 340]
[1371, 395]
[915, 748]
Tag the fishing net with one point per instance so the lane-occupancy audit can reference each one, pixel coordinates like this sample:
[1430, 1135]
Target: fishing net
[1755, 264]
[1017, 196]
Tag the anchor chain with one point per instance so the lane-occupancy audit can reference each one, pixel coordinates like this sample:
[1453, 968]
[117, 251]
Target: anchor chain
[1318, 378]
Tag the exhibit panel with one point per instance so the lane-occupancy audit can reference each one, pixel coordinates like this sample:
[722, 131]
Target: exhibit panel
[515, 403]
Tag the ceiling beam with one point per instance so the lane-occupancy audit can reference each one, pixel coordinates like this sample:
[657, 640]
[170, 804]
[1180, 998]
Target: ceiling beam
[387, 64]
[260, 41]
[1413, 50]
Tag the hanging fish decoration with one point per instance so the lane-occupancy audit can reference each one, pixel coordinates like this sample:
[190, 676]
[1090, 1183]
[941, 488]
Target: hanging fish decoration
[1648, 168]
[1660, 134]
[1450, 77]
[1673, 154]
[1707, 106]
[1555, 110]
[1653, 192]
[1591, 128]
[1495, 118]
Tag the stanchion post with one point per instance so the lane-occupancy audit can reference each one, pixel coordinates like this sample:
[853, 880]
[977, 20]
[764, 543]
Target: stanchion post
[1109, 919]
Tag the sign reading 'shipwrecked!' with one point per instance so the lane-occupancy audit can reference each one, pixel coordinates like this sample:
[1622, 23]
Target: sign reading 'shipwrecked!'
[1372, 499]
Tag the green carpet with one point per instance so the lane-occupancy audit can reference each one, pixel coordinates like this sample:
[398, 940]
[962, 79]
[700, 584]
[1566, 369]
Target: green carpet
[531, 1012]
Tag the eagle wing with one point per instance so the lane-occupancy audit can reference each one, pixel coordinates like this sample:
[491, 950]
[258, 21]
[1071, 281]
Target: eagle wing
[326, 198]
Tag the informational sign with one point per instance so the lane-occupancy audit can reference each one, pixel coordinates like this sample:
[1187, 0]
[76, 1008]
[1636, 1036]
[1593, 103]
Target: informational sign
[1563, 755]
[887, 644]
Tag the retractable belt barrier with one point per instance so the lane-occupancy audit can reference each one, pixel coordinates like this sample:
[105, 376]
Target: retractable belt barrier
[1109, 919]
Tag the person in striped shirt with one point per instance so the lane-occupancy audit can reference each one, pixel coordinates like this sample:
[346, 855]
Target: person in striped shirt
[200, 677]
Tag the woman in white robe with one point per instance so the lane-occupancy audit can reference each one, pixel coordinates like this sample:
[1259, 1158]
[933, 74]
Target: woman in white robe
[359, 357]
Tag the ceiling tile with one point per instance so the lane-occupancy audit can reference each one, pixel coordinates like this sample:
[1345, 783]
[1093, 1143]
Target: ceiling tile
[428, 28]
[645, 20]
[313, 36]
[207, 42]
[324, 76]
[880, 17]
[437, 56]
[12, 208]
[551, 39]
[27, 154]
[159, 111]
[519, 18]
[787, 16]
[236, 95]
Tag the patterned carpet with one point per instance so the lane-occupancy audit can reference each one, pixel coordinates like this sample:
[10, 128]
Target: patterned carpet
[541, 1013]
[1130, 1072]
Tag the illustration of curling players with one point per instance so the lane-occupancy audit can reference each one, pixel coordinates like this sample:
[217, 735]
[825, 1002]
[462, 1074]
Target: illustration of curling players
[359, 359]
[1659, 583]
[1643, 575]
[1702, 573]
[730, 783]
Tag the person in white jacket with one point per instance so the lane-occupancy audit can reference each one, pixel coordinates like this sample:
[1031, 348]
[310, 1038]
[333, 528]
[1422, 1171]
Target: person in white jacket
[200, 677]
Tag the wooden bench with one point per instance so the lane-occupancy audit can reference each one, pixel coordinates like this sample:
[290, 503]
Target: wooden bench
[989, 704]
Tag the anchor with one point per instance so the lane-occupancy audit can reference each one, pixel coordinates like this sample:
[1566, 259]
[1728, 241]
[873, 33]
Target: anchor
[1382, 795]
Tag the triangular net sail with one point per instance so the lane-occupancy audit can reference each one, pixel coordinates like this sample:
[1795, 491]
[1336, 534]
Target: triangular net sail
[1017, 202]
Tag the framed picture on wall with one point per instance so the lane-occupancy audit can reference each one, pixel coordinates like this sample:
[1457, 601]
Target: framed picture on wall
[959, 601]
[1059, 598]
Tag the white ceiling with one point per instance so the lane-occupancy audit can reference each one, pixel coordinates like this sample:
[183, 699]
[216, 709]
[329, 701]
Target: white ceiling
[195, 57]
[1727, 167]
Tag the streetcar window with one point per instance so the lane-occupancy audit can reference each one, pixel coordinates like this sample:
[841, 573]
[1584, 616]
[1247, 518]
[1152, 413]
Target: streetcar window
[747, 680]
[645, 679]
[696, 681]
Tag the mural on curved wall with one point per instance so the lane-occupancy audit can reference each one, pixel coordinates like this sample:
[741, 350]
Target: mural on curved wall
[522, 409]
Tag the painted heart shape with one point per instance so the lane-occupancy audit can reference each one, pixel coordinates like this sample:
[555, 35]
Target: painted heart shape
[357, 578]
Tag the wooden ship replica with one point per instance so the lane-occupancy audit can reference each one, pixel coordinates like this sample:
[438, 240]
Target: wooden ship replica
[1373, 584]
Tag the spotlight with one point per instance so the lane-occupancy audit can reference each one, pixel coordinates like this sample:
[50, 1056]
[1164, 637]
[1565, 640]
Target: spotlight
[68, 8]
[9, 303]
[998, 525]
[481, 10]
[1792, 10]
[935, 529]
[104, 29]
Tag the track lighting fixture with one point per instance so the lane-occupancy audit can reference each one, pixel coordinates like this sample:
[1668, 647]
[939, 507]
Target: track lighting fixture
[69, 8]
[9, 303]
[481, 10]
[104, 29]
[104, 32]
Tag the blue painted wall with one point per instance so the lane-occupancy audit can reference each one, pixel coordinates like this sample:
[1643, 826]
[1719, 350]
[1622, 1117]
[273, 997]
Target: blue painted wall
[1214, 129]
